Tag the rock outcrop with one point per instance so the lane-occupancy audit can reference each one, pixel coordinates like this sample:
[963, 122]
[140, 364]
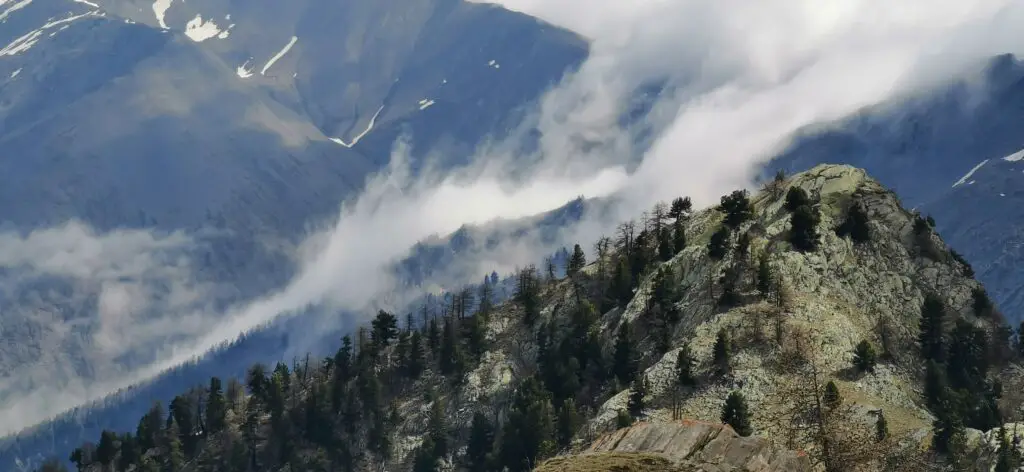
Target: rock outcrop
[701, 446]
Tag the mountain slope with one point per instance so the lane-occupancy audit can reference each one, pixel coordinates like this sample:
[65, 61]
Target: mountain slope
[923, 145]
[549, 371]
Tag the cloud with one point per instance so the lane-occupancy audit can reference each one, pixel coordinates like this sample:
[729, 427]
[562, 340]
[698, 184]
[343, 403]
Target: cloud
[738, 78]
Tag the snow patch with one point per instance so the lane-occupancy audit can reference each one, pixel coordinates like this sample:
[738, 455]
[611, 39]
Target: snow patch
[12, 9]
[15, 73]
[1017, 156]
[224, 34]
[244, 71]
[87, 2]
[160, 8]
[227, 17]
[494, 64]
[360, 135]
[425, 103]
[200, 31]
[25, 42]
[279, 55]
[969, 174]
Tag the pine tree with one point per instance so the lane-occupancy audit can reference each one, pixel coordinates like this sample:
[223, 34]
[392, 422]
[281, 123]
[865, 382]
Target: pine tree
[480, 444]
[856, 225]
[804, 228]
[718, 246]
[684, 367]
[722, 353]
[385, 328]
[621, 286]
[175, 459]
[527, 295]
[764, 277]
[528, 433]
[865, 357]
[680, 208]
[216, 407]
[568, 422]
[437, 429]
[666, 246]
[678, 237]
[881, 428]
[1007, 458]
[832, 397]
[625, 364]
[737, 208]
[577, 261]
[931, 333]
[637, 395]
[796, 197]
[452, 362]
[983, 306]
[106, 449]
[434, 337]
[736, 414]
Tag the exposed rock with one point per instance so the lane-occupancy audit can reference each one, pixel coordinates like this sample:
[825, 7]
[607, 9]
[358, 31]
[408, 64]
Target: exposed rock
[700, 446]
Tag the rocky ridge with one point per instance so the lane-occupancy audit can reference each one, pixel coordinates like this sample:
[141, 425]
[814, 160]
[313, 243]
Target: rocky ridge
[784, 347]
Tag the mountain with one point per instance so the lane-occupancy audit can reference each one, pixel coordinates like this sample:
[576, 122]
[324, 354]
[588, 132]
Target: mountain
[215, 134]
[823, 322]
[213, 110]
[923, 146]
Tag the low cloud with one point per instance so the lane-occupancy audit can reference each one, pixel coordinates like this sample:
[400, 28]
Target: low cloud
[738, 78]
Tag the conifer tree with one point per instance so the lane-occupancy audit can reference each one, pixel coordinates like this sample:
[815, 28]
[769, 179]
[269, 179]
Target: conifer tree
[832, 397]
[175, 458]
[451, 359]
[106, 449]
[736, 414]
[637, 396]
[764, 277]
[568, 422]
[385, 328]
[680, 208]
[577, 261]
[527, 295]
[931, 338]
[865, 357]
[718, 246]
[722, 353]
[804, 228]
[625, 363]
[737, 208]
[684, 367]
[983, 306]
[678, 237]
[621, 287]
[434, 337]
[666, 246]
[528, 433]
[480, 444]
[796, 197]
[216, 407]
[856, 225]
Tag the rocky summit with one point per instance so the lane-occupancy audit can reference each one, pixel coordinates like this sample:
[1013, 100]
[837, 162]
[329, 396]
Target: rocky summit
[813, 325]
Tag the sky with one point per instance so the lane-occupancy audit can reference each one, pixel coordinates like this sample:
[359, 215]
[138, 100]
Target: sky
[742, 77]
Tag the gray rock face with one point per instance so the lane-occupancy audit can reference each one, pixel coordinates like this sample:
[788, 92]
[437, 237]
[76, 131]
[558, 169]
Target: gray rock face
[702, 444]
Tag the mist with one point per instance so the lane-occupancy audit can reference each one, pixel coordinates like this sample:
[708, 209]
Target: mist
[738, 79]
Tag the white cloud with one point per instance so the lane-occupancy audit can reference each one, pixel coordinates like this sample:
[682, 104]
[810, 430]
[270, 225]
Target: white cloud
[743, 76]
